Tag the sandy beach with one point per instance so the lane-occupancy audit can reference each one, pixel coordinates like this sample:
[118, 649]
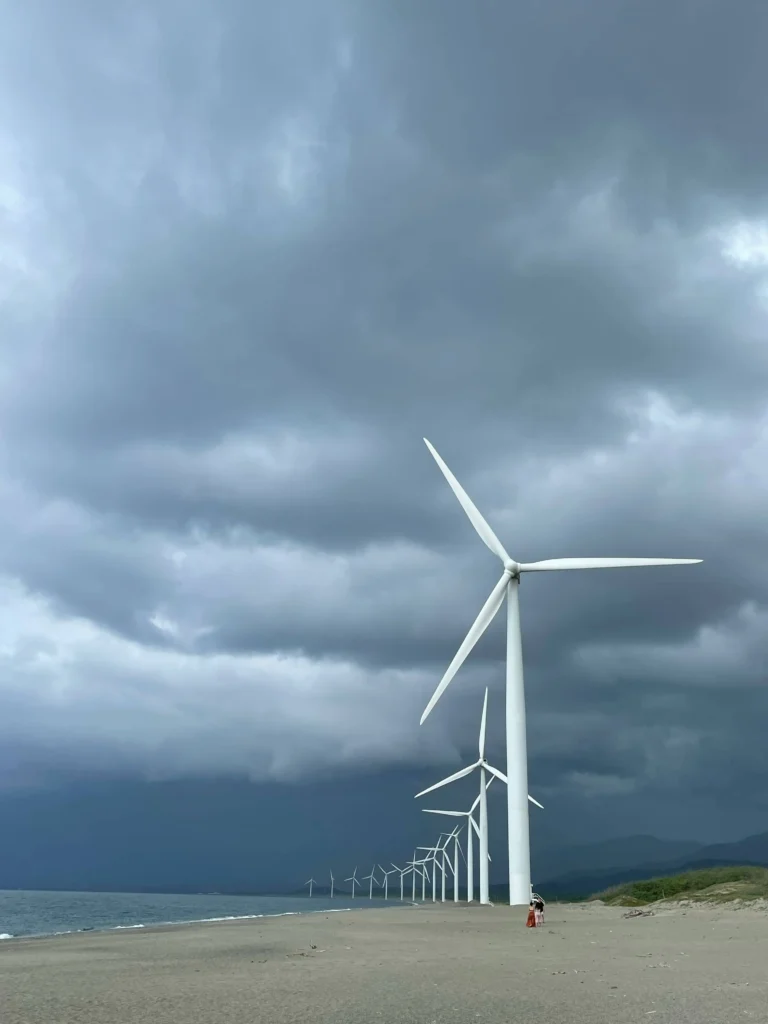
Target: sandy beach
[427, 964]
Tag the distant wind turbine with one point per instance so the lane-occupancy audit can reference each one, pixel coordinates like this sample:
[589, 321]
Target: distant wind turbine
[445, 859]
[354, 880]
[386, 875]
[436, 854]
[410, 869]
[372, 877]
[469, 815]
[482, 765]
[407, 870]
[455, 868]
[518, 837]
[332, 881]
[422, 865]
[431, 858]
[310, 883]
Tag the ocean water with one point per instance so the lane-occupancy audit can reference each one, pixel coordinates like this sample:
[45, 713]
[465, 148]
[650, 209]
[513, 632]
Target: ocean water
[54, 913]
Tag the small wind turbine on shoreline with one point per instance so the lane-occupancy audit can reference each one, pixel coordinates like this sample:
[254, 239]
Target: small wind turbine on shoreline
[386, 875]
[430, 857]
[310, 883]
[470, 857]
[372, 878]
[354, 880]
[410, 869]
[518, 838]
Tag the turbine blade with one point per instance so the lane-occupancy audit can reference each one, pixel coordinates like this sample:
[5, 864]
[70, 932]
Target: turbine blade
[495, 771]
[481, 748]
[451, 778]
[603, 563]
[454, 814]
[476, 630]
[476, 827]
[503, 778]
[486, 534]
[477, 798]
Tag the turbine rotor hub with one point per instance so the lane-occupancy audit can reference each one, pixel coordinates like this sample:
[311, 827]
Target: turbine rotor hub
[512, 568]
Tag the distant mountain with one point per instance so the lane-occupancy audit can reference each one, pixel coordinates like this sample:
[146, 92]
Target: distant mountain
[575, 884]
[752, 850]
[625, 852]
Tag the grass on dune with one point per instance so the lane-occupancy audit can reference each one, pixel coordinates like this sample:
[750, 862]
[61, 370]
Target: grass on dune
[708, 885]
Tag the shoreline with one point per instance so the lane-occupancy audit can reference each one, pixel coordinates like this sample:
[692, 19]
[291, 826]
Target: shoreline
[152, 926]
[662, 908]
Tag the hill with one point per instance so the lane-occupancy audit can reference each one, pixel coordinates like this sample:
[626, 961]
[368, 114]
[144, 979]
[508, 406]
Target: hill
[561, 860]
[581, 884]
[707, 885]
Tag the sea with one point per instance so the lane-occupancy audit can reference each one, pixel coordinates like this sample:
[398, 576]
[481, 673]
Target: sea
[34, 913]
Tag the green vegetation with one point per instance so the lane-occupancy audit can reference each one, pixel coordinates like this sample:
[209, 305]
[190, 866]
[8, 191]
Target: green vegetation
[708, 885]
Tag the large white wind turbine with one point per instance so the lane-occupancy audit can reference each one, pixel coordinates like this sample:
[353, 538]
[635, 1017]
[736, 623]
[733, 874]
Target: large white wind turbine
[517, 760]
[482, 766]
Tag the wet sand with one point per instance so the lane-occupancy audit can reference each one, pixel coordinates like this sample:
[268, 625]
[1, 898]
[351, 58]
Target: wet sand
[410, 965]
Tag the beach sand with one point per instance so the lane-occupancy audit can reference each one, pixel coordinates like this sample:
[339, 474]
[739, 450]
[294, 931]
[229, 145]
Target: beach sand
[428, 964]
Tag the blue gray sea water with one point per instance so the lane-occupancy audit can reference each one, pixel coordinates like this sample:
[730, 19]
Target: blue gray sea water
[25, 913]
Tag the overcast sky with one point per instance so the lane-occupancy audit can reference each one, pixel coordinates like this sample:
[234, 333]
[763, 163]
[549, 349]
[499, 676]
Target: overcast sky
[250, 254]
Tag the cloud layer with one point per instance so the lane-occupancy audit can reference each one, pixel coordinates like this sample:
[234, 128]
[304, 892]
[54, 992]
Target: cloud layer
[251, 257]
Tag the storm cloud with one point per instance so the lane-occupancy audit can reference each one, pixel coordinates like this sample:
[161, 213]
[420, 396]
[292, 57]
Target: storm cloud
[251, 255]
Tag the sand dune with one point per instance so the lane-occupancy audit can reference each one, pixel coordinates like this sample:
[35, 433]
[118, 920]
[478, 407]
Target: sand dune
[430, 964]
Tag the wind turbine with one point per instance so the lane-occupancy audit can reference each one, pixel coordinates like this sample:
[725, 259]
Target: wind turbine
[517, 760]
[372, 877]
[310, 883]
[446, 859]
[469, 815]
[386, 875]
[422, 864]
[403, 873]
[431, 855]
[437, 855]
[410, 869]
[453, 865]
[483, 766]
[456, 863]
[354, 880]
[332, 881]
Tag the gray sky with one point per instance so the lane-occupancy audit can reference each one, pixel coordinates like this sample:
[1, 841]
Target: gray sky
[251, 254]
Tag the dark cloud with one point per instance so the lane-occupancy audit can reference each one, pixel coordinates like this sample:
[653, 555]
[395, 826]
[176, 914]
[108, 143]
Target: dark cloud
[252, 256]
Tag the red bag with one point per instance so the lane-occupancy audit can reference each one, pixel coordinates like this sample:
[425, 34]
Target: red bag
[531, 922]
